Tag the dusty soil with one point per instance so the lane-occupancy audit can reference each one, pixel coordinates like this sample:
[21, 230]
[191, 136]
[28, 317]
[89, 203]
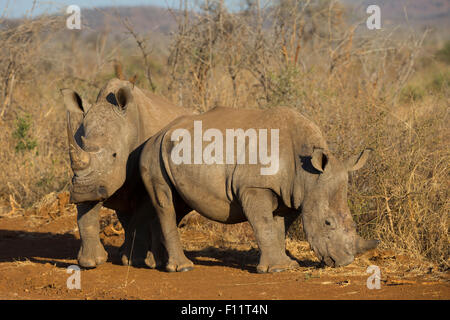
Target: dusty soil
[37, 246]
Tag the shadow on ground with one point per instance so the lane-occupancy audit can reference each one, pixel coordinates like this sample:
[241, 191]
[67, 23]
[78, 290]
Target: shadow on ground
[46, 247]
[41, 247]
[234, 258]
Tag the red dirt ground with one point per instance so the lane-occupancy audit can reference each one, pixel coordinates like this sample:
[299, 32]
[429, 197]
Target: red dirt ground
[36, 247]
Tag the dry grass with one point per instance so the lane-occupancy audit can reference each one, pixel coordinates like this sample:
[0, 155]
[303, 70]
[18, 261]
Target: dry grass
[384, 90]
[215, 233]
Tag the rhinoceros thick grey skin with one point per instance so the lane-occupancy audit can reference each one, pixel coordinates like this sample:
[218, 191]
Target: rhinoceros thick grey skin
[310, 181]
[104, 152]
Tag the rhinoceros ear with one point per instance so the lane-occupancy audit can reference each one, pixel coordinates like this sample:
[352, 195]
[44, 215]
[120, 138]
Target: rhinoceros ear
[73, 101]
[319, 159]
[124, 97]
[358, 161]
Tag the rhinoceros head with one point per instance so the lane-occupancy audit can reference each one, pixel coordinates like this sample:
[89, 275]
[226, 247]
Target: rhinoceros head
[100, 147]
[327, 221]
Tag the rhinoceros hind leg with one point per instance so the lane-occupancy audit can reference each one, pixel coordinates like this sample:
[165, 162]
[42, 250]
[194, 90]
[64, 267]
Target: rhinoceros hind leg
[137, 239]
[158, 250]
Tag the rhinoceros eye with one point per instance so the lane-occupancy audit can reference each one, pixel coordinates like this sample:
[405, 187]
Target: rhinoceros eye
[114, 155]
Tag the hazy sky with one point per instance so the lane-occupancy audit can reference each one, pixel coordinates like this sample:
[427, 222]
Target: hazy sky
[18, 8]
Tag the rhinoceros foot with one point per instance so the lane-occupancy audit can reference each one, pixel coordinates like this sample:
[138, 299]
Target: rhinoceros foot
[183, 265]
[142, 257]
[284, 265]
[92, 255]
[138, 261]
[139, 258]
[149, 261]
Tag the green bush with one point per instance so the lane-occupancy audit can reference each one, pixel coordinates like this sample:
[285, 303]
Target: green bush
[284, 89]
[22, 135]
[440, 81]
[444, 53]
[412, 93]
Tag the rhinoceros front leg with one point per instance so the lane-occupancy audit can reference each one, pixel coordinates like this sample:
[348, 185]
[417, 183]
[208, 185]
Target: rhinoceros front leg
[161, 196]
[282, 226]
[91, 253]
[258, 206]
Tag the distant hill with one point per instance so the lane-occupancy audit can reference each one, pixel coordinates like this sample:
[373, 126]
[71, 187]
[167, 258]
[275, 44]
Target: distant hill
[143, 19]
[158, 20]
[416, 13]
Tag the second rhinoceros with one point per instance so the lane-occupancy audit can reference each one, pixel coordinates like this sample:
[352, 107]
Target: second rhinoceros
[189, 165]
[104, 153]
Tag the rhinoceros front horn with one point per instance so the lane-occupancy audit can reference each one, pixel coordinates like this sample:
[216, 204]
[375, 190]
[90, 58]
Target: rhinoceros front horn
[363, 245]
[79, 158]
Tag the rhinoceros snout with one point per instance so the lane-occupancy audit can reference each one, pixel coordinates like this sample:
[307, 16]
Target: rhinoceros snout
[338, 262]
[83, 193]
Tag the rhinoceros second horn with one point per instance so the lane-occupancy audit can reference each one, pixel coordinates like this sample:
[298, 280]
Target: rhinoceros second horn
[80, 159]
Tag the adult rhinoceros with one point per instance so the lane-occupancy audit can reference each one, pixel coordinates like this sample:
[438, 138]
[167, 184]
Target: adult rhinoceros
[104, 153]
[226, 184]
